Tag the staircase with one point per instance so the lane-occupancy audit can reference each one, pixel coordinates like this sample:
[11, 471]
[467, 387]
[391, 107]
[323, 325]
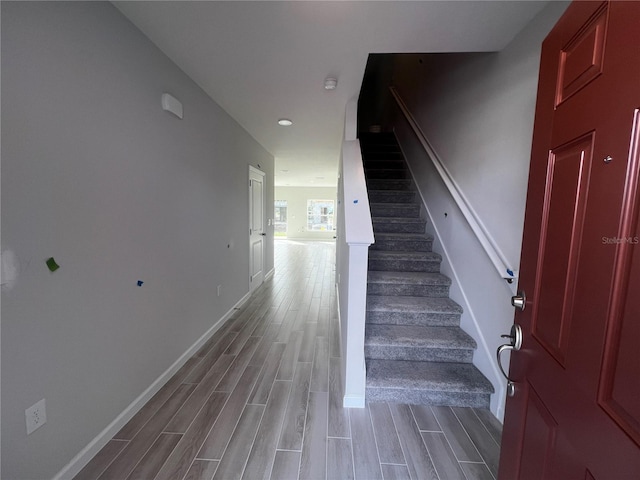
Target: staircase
[415, 350]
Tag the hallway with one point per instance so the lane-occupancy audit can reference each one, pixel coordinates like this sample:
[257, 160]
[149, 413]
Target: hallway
[262, 399]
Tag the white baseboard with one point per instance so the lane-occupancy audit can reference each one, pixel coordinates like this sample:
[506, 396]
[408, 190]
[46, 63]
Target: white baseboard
[269, 274]
[87, 453]
[353, 401]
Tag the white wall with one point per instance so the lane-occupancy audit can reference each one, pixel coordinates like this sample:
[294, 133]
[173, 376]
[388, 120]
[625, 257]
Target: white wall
[477, 112]
[95, 174]
[296, 198]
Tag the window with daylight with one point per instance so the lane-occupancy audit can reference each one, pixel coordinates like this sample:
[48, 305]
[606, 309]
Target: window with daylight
[320, 215]
[280, 218]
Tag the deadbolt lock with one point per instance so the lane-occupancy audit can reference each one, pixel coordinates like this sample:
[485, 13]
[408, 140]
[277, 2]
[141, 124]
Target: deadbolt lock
[519, 301]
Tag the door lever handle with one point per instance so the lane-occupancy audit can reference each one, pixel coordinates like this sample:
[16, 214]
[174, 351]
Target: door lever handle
[514, 344]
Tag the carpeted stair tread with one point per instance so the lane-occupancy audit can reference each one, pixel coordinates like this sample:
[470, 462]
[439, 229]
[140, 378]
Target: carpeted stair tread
[386, 174]
[400, 184]
[392, 204]
[418, 336]
[430, 383]
[377, 137]
[390, 210]
[391, 155]
[442, 376]
[411, 310]
[380, 147]
[382, 303]
[414, 261]
[418, 343]
[416, 242]
[401, 255]
[412, 284]
[401, 278]
[398, 225]
[397, 164]
[392, 196]
[390, 236]
[398, 220]
[415, 264]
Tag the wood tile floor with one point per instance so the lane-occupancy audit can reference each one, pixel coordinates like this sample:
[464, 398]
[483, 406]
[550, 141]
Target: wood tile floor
[262, 400]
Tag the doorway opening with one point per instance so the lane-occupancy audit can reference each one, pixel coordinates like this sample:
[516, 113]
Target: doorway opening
[280, 218]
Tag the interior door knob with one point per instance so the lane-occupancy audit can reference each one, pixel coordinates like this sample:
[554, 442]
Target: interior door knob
[519, 301]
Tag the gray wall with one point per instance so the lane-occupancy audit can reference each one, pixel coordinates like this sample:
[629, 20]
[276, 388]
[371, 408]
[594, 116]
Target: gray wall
[95, 174]
[477, 112]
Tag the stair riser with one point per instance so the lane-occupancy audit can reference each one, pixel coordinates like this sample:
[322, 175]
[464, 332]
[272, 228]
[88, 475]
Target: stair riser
[377, 138]
[391, 197]
[380, 147]
[386, 174]
[427, 397]
[384, 184]
[406, 290]
[387, 227]
[398, 245]
[389, 352]
[382, 156]
[428, 319]
[404, 266]
[384, 164]
[407, 211]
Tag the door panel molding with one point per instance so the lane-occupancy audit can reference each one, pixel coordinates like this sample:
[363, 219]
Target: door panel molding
[582, 60]
[619, 388]
[539, 447]
[568, 171]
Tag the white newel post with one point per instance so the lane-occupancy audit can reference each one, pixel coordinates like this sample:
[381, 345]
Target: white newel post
[355, 235]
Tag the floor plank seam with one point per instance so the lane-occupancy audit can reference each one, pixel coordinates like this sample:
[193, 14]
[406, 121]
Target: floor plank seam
[253, 441]
[485, 427]
[469, 436]
[395, 428]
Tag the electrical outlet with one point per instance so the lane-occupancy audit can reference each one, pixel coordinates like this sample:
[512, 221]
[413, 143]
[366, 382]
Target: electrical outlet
[36, 416]
[219, 289]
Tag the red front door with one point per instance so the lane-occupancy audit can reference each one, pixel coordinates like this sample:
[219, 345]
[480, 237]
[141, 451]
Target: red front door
[575, 413]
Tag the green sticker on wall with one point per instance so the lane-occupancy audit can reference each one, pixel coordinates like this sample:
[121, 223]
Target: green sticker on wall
[53, 266]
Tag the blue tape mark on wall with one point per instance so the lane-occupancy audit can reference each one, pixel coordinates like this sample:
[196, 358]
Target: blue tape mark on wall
[140, 282]
[510, 272]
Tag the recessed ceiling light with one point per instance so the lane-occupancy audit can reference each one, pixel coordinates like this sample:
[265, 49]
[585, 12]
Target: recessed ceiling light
[285, 122]
[330, 83]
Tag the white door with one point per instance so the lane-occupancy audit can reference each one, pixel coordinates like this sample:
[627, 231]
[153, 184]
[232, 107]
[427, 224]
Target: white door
[256, 228]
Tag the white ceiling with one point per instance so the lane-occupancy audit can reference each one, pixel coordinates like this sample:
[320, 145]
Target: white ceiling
[264, 60]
